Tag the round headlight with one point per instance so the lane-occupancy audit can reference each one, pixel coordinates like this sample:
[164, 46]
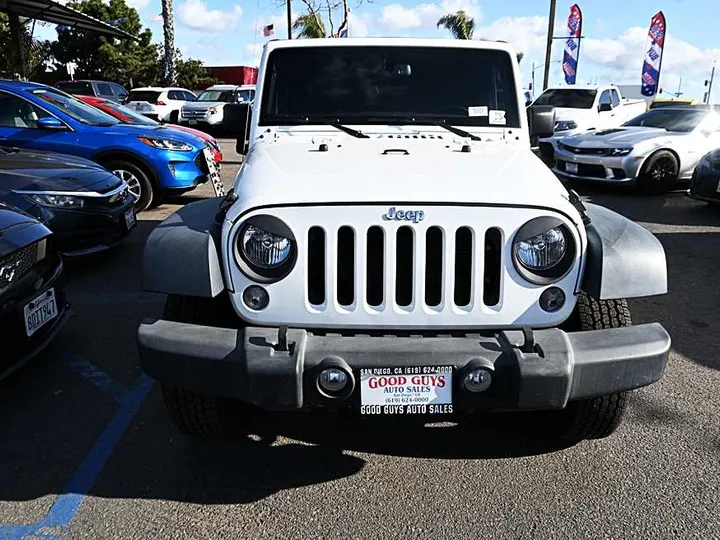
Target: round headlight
[542, 251]
[264, 249]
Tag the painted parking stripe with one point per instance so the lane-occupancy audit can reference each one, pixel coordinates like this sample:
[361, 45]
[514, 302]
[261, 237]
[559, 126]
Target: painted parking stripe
[97, 377]
[63, 511]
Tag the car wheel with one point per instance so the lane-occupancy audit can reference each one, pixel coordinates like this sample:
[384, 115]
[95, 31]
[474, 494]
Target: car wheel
[140, 185]
[195, 413]
[659, 173]
[598, 417]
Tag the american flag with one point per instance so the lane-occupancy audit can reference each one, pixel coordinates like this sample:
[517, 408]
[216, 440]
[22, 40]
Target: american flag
[268, 30]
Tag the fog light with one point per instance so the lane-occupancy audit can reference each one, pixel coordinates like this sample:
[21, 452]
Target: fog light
[552, 299]
[477, 380]
[172, 168]
[332, 380]
[255, 297]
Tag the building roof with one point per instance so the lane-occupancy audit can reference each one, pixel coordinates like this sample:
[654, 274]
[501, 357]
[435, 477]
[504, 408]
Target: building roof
[53, 12]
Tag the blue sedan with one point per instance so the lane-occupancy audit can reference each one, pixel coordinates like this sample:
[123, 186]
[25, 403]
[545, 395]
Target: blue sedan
[154, 161]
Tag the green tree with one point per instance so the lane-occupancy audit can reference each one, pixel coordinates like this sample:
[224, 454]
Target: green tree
[37, 51]
[190, 73]
[460, 25]
[309, 25]
[126, 61]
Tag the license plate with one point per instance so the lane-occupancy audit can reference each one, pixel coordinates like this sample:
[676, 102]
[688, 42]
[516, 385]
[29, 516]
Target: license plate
[571, 167]
[192, 122]
[40, 311]
[130, 218]
[406, 390]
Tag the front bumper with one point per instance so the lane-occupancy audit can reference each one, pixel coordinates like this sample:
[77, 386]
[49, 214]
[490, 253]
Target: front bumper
[250, 365]
[616, 170]
[208, 120]
[705, 183]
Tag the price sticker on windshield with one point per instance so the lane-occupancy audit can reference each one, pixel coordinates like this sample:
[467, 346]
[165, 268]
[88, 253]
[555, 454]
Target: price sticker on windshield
[497, 118]
[478, 111]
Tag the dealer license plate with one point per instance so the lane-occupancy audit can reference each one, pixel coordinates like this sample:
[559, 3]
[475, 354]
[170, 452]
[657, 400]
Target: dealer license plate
[406, 390]
[572, 168]
[130, 218]
[192, 122]
[40, 311]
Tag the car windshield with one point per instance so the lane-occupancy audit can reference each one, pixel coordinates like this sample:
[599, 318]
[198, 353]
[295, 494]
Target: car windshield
[670, 119]
[143, 95]
[380, 84]
[135, 118]
[75, 108]
[216, 95]
[77, 87]
[570, 98]
[244, 95]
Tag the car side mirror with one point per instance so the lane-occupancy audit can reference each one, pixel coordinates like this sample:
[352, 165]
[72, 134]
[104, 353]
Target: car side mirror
[541, 121]
[605, 107]
[50, 122]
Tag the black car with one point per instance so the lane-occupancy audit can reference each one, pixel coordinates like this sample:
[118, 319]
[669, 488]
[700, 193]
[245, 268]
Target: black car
[33, 308]
[87, 207]
[705, 183]
[103, 89]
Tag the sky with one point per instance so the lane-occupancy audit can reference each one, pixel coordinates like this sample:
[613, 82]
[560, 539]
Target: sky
[228, 32]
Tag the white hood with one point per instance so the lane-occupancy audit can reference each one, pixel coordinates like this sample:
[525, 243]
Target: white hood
[288, 171]
[619, 137]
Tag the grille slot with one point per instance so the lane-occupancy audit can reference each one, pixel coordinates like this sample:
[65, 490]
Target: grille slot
[346, 266]
[492, 267]
[404, 259]
[375, 266]
[316, 266]
[433, 266]
[463, 266]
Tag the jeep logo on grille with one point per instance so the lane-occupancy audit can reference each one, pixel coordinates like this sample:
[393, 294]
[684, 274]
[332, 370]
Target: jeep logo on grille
[415, 216]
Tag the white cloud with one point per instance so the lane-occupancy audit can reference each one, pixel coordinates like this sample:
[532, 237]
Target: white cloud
[196, 15]
[137, 4]
[358, 25]
[526, 34]
[398, 17]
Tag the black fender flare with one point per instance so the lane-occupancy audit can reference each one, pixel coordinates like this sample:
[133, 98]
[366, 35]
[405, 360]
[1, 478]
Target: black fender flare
[623, 259]
[182, 254]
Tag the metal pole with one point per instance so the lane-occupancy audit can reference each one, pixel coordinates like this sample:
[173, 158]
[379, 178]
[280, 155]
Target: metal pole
[712, 76]
[548, 48]
[289, 18]
[533, 78]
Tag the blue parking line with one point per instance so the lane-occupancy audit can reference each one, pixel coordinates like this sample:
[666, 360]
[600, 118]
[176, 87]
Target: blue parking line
[97, 377]
[63, 511]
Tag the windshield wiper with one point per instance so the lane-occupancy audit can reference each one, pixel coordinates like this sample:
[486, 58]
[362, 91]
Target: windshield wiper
[333, 123]
[419, 120]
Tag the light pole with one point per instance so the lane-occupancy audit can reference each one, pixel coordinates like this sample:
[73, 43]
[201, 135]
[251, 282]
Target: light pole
[289, 18]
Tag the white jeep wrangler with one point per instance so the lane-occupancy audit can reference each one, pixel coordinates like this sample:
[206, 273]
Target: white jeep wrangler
[391, 246]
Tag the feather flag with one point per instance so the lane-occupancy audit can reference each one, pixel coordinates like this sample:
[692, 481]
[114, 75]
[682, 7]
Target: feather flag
[653, 55]
[571, 54]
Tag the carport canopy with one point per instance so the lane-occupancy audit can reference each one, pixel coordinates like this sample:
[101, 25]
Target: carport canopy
[53, 12]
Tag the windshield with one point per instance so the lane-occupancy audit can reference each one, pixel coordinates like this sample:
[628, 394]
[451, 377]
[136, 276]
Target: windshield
[370, 84]
[570, 98]
[216, 95]
[135, 118]
[245, 95]
[670, 119]
[143, 95]
[75, 108]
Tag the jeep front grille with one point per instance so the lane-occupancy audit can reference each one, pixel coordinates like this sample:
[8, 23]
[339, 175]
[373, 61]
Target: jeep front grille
[408, 267]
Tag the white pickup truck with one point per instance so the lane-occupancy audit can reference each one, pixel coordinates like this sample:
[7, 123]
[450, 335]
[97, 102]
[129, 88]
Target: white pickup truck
[392, 247]
[579, 108]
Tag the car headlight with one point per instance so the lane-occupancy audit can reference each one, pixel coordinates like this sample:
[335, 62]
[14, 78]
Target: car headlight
[564, 125]
[543, 250]
[620, 151]
[166, 144]
[57, 201]
[265, 249]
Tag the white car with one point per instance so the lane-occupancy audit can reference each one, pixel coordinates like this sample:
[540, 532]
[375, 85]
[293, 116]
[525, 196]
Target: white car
[161, 104]
[210, 104]
[580, 108]
[654, 151]
[392, 247]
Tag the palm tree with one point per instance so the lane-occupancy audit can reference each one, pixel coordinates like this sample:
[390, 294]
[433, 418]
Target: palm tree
[169, 34]
[309, 25]
[460, 25]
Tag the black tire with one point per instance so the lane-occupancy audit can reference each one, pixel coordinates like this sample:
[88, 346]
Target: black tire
[598, 417]
[140, 184]
[195, 413]
[659, 173]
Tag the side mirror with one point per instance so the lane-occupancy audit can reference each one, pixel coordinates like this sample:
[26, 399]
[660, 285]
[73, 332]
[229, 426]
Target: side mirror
[605, 107]
[50, 122]
[541, 121]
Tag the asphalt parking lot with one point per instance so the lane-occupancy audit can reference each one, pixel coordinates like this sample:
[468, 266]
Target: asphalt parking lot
[86, 450]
